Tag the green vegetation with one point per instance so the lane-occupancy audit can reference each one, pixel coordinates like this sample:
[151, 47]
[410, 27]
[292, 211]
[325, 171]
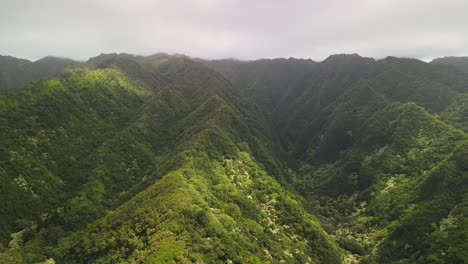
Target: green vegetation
[377, 149]
[162, 167]
[14, 73]
[168, 159]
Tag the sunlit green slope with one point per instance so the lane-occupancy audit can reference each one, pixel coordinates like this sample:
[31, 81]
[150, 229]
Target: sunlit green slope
[145, 161]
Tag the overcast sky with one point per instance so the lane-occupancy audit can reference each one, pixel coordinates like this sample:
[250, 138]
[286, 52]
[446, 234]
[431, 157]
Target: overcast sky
[244, 29]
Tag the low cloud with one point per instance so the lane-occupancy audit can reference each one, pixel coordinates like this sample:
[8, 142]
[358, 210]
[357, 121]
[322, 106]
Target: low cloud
[233, 28]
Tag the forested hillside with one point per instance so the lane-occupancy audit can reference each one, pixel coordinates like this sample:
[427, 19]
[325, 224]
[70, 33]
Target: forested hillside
[14, 72]
[461, 63]
[152, 161]
[170, 159]
[377, 148]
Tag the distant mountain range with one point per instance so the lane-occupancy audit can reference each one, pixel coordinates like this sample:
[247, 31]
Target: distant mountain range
[14, 72]
[461, 63]
[172, 159]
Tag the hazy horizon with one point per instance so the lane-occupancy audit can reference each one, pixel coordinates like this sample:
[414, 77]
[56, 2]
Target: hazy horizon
[234, 29]
[224, 58]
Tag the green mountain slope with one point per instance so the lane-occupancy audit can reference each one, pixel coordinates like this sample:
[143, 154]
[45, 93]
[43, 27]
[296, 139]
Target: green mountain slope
[14, 72]
[461, 63]
[168, 159]
[371, 145]
[150, 161]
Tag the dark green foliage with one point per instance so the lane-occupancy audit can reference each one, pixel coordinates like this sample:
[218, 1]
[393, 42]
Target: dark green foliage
[50, 135]
[160, 159]
[14, 73]
[370, 148]
[461, 63]
[146, 164]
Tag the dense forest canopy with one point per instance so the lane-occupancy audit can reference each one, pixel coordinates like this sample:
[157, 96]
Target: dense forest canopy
[172, 159]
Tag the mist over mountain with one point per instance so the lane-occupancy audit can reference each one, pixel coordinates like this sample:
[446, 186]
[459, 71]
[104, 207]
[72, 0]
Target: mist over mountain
[172, 159]
[14, 72]
[461, 63]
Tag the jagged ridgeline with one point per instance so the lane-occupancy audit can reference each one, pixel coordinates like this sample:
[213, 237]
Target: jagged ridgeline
[169, 159]
[145, 160]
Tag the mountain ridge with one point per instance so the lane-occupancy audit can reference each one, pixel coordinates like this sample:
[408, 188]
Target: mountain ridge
[350, 160]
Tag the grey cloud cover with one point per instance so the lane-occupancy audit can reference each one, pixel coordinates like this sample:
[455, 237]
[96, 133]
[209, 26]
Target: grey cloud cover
[242, 29]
